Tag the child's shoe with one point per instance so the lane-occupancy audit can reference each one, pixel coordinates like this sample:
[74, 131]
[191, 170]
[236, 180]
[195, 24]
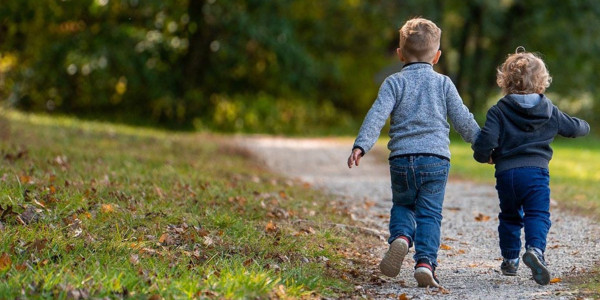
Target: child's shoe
[392, 261]
[509, 267]
[425, 274]
[534, 259]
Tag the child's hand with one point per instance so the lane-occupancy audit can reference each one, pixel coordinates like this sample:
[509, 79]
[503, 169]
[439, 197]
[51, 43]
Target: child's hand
[354, 157]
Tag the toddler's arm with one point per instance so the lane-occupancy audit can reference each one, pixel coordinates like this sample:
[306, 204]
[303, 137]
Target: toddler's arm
[487, 140]
[571, 127]
[376, 117]
[460, 116]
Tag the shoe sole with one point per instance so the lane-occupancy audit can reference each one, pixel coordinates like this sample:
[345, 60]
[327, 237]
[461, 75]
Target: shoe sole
[538, 270]
[506, 273]
[424, 278]
[392, 261]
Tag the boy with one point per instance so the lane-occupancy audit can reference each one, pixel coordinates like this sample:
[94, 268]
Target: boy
[516, 138]
[419, 100]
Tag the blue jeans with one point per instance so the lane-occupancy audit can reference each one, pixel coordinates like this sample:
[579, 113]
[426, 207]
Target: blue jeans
[418, 187]
[524, 195]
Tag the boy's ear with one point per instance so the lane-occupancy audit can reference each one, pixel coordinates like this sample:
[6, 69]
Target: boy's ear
[399, 52]
[437, 57]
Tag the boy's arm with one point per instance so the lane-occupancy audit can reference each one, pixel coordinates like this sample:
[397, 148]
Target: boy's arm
[487, 140]
[460, 116]
[571, 127]
[376, 118]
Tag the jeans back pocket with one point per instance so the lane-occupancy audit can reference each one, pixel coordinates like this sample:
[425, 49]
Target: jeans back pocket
[434, 182]
[400, 188]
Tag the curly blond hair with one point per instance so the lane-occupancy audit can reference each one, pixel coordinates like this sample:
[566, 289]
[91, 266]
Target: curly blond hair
[419, 39]
[523, 73]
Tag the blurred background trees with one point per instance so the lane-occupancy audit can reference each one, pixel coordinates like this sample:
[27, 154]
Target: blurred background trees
[287, 66]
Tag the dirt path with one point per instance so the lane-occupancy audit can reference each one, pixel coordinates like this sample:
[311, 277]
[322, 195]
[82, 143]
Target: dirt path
[470, 258]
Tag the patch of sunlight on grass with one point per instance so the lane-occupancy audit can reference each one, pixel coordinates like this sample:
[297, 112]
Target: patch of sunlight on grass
[72, 122]
[235, 281]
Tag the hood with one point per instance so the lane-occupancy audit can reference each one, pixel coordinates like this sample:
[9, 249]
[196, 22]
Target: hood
[525, 115]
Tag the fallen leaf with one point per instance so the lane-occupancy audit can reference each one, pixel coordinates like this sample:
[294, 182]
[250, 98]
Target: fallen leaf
[271, 227]
[555, 280]
[40, 203]
[5, 262]
[25, 179]
[162, 238]
[107, 208]
[482, 218]
[208, 241]
[134, 259]
[30, 215]
[445, 247]
[37, 245]
[402, 297]
[248, 262]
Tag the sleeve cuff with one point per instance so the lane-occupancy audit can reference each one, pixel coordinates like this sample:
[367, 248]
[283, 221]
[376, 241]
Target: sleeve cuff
[361, 150]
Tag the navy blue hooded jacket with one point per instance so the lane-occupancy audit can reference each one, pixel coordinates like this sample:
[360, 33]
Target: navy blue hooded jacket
[518, 133]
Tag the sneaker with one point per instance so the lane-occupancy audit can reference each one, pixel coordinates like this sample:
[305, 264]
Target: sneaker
[534, 259]
[509, 267]
[425, 274]
[392, 261]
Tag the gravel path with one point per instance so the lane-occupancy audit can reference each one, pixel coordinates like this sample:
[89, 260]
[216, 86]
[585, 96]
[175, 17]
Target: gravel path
[469, 259]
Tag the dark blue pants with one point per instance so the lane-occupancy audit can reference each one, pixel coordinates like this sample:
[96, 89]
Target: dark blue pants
[524, 202]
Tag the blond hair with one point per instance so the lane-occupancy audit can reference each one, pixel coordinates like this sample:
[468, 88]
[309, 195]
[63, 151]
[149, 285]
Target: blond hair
[523, 73]
[419, 39]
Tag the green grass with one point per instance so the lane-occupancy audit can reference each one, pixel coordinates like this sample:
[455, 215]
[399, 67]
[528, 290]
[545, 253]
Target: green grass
[115, 211]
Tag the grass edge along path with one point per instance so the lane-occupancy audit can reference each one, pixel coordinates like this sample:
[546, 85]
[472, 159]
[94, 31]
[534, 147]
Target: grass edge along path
[100, 210]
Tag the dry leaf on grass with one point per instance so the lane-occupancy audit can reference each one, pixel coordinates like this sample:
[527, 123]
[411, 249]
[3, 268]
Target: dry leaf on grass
[30, 215]
[25, 179]
[5, 262]
[134, 259]
[271, 227]
[107, 208]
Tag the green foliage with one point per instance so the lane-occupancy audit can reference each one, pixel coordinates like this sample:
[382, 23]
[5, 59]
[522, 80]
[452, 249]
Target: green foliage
[112, 211]
[171, 62]
[166, 62]
[263, 113]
